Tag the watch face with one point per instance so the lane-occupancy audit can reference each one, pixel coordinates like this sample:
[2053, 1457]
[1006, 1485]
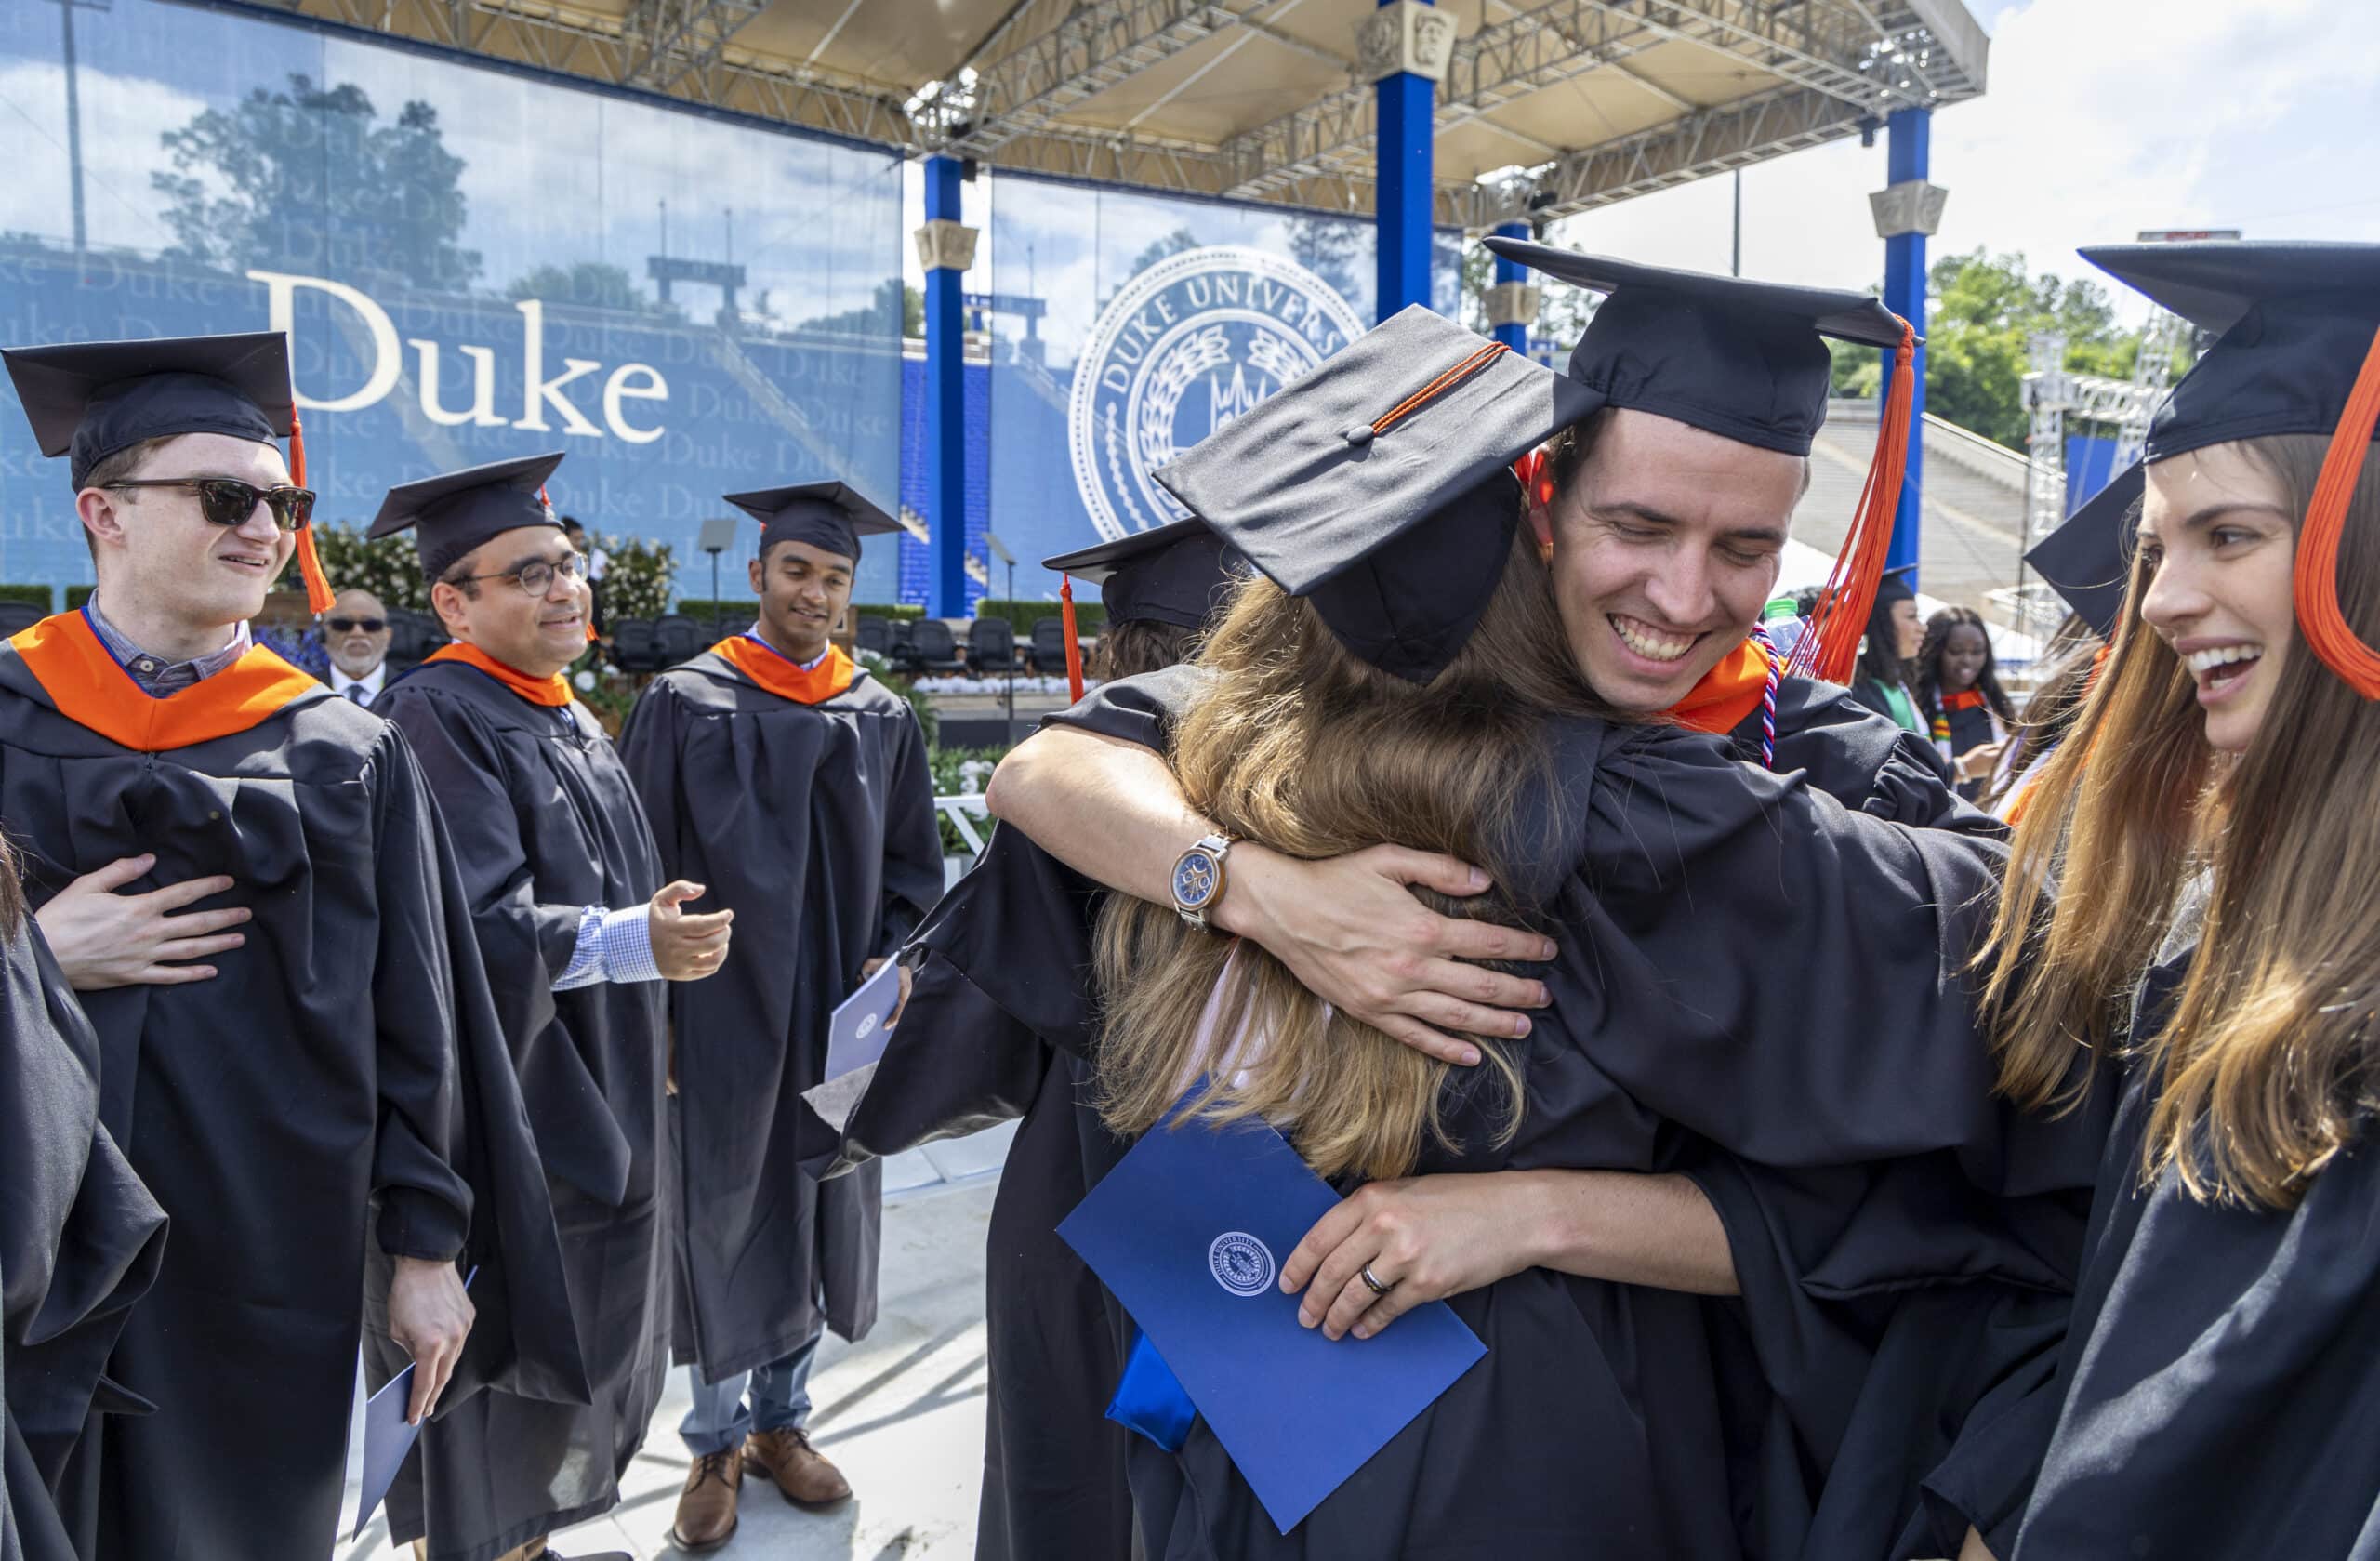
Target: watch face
[1194, 881]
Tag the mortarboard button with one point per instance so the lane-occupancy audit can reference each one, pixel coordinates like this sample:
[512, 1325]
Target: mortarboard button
[1360, 434]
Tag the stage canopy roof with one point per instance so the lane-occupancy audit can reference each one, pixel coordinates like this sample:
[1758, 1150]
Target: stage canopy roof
[1546, 108]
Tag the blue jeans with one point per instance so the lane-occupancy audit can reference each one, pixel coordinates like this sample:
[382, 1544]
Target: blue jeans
[780, 1401]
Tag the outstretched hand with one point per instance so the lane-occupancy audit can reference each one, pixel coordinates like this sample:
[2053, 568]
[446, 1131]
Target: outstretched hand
[686, 946]
[1352, 932]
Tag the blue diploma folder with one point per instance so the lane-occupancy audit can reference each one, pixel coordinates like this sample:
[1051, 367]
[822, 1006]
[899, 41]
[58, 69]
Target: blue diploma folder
[387, 1437]
[856, 1031]
[1189, 1231]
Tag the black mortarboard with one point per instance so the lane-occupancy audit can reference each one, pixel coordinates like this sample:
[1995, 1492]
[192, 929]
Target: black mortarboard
[95, 399]
[1378, 487]
[1737, 358]
[1747, 361]
[829, 515]
[1175, 574]
[2297, 352]
[2087, 560]
[1894, 585]
[454, 513]
[2293, 324]
[91, 400]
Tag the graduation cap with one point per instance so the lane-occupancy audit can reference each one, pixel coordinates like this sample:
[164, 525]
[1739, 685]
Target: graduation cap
[2298, 353]
[452, 513]
[91, 400]
[1894, 585]
[1175, 574]
[832, 516]
[1379, 486]
[1746, 361]
[2086, 560]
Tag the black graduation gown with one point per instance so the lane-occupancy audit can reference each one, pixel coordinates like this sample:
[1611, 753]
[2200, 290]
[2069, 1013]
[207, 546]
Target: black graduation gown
[1595, 1421]
[80, 1243]
[1842, 1385]
[2221, 1382]
[345, 1055]
[816, 823]
[546, 824]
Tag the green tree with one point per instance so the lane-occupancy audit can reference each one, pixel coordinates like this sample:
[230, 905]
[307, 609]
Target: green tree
[312, 173]
[591, 283]
[1170, 245]
[894, 302]
[1984, 310]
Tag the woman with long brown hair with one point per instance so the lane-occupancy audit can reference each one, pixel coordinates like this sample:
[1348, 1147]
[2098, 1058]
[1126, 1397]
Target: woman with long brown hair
[2213, 944]
[1723, 943]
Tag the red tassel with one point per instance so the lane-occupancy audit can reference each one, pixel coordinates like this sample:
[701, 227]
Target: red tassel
[2325, 626]
[1831, 648]
[318, 595]
[1074, 645]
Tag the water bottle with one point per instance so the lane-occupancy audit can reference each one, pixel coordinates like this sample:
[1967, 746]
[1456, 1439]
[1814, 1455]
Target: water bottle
[1784, 624]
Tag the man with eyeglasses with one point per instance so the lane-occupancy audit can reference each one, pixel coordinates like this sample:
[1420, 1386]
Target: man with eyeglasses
[356, 633]
[300, 1052]
[578, 933]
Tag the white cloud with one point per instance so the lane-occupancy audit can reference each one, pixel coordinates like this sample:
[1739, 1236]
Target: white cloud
[122, 118]
[2102, 118]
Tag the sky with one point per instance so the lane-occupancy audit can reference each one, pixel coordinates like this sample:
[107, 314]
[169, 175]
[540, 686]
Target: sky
[2100, 118]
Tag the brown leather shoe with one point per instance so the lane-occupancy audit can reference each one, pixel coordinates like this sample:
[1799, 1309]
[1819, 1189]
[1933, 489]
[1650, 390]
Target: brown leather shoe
[706, 1507]
[800, 1471]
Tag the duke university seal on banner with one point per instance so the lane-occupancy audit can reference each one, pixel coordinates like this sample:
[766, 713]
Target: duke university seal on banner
[1188, 345]
[1240, 1264]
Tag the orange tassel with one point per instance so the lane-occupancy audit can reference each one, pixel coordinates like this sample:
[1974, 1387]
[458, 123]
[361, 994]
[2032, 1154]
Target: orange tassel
[1831, 648]
[2325, 628]
[1074, 645]
[318, 595]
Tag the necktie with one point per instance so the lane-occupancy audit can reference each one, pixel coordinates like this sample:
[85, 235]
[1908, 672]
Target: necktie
[355, 691]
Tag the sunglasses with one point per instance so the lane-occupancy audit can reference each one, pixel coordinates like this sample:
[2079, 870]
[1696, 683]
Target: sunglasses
[348, 626]
[227, 501]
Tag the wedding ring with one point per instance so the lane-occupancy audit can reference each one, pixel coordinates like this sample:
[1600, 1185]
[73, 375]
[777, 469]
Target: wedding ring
[1372, 1281]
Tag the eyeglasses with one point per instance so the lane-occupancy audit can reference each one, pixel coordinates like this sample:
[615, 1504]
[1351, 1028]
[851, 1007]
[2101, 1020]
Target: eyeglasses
[348, 626]
[537, 576]
[227, 501]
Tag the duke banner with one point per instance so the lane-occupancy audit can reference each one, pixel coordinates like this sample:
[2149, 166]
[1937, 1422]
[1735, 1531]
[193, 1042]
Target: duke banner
[472, 263]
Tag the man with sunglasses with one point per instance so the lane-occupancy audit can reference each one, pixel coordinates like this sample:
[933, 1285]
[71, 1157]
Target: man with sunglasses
[578, 933]
[329, 1060]
[357, 634]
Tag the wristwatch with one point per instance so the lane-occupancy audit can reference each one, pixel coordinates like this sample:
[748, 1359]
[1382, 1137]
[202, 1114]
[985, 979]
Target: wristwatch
[1198, 878]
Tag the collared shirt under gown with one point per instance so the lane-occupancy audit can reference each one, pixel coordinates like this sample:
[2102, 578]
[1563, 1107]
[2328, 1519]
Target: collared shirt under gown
[342, 1057]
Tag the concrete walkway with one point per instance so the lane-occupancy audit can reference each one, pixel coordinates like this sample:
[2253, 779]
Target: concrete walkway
[900, 1412]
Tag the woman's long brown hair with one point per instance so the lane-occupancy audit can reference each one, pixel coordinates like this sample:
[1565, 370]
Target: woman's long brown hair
[1313, 752]
[2263, 1065]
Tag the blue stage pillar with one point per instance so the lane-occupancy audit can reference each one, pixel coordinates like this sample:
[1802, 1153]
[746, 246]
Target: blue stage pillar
[945, 249]
[1513, 275]
[1908, 152]
[1408, 52]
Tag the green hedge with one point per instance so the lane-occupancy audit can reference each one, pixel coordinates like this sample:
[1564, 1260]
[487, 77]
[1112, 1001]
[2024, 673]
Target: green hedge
[37, 596]
[77, 595]
[1090, 616]
[732, 614]
[884, 610]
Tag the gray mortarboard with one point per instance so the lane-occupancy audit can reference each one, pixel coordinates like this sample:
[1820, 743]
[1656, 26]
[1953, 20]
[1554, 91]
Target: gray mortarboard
[454, 513]
[833, 516]
[1378, 487]
[1737, 358]
[1175, 574]
[93, 399]
[2294, 325]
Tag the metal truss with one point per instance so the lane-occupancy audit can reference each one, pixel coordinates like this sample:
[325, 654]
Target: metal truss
[690, 62]
[1839, 66]
[684, 36]
[1098, 46]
